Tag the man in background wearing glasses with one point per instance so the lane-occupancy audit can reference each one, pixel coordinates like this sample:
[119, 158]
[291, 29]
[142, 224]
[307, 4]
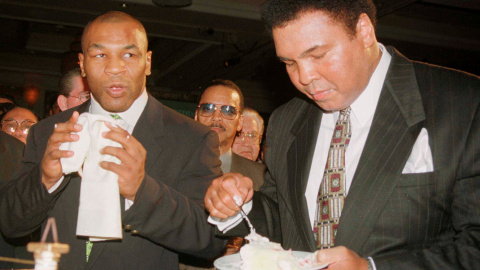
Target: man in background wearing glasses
[247, 143]
[220, 108]
[17, 123]
[73, 89]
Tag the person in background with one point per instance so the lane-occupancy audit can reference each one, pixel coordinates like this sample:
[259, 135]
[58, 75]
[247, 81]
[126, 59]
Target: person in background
[378, 165]
[167, 162]
[247, 142]
[17, 122]
[221, 108]
[73, 90]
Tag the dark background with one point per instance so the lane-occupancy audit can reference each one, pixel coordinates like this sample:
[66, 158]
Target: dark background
[213, 39]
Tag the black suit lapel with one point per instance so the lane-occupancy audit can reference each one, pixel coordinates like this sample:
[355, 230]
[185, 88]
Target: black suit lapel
[149, 131]
[299, 160]
[394, 129]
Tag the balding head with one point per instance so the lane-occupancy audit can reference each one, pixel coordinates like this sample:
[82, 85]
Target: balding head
[114, 17]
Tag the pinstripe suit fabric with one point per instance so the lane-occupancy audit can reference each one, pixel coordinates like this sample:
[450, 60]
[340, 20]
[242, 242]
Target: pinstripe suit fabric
[404, 221]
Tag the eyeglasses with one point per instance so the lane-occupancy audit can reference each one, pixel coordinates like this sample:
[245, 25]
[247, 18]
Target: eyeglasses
[207, 109]
[251, 137]
[11, 125]
[83, 96]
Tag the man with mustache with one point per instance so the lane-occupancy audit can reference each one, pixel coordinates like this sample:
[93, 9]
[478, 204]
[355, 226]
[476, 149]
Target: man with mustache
[220, 108]
[166, 163]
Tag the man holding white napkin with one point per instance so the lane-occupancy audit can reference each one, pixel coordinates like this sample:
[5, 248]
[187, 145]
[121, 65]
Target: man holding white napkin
[158, 162]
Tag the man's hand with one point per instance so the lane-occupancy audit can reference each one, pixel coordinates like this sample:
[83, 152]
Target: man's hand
[131, 170]
[341, 258]
[51, 166]
[227, 193]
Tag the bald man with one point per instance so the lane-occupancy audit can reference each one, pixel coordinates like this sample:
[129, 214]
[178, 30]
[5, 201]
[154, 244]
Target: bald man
[167, 162]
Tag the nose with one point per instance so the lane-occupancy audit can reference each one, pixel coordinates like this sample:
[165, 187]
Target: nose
[306, 73]
[115, 65]
[217, 115]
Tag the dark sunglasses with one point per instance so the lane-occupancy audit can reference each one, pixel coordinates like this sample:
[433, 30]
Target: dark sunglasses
[207, 109]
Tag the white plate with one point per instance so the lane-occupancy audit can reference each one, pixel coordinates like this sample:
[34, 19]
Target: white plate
[233, 262]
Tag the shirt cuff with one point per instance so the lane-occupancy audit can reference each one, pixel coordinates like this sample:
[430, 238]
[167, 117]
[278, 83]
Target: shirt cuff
[128, 204]
[57, 184]
[371, 264]
[224, 225]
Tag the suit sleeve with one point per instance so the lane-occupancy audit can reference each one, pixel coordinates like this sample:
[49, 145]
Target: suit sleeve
[178, 219]
[463, 250]
[24, 201]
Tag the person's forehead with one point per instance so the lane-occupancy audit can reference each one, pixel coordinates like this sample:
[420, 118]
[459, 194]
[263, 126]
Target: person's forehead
[220, 94]
[20, 114]
[250, 124]
[128, 31]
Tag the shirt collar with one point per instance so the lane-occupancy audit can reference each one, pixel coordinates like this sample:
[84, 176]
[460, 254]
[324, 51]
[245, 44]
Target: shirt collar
[131, 115]
[363, 108]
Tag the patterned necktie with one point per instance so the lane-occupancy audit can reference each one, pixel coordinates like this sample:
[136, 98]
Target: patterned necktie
[332, 193]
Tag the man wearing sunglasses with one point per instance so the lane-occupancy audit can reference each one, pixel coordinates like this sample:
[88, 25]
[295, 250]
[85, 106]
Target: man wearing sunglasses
[220, 108]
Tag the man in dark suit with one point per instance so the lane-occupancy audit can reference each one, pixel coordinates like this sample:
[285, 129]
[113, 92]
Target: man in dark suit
[221, 108]
[11, 151]
[166, 163]
[412, 163]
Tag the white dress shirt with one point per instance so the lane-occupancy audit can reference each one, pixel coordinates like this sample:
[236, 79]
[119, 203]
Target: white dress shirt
[361, 117]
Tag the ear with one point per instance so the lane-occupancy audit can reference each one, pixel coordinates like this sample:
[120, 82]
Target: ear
[80, 61]
[240, 123]
[365, 30]
[148, 67]
[62, 102]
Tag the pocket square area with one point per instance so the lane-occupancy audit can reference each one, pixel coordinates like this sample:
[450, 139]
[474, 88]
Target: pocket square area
[420, 160]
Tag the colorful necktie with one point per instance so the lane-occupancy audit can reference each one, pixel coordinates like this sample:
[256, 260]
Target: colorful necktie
[332, 193]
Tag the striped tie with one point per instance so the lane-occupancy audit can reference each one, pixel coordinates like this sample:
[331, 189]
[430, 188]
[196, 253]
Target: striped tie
[332, 193]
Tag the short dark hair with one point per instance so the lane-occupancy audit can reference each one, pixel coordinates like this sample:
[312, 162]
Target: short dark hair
[277, 13]
[229, 84]
[65, 85]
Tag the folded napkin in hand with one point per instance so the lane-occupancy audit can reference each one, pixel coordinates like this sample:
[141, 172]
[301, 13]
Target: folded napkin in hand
[99, 213]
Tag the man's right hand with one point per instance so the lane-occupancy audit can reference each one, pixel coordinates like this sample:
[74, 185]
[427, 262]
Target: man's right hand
[51, 166]
[227, 194]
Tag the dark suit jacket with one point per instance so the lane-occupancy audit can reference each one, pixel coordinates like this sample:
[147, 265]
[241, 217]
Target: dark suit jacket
[167, 215]
[247, 167]
[11, 151]
[404, 221]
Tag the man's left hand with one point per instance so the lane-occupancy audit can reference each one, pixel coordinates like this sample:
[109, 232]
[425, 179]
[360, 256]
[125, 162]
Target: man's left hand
[131, 169]
[341, 258]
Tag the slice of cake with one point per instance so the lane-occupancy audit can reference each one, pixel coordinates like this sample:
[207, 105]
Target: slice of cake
[261, 254]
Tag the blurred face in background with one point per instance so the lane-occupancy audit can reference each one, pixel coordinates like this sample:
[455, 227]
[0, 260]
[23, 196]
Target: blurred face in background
[247, 142]
[17, 122]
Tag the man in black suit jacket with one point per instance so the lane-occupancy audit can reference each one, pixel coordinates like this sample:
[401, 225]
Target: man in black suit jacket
[11, 151]
[413, 200]
[167, 163]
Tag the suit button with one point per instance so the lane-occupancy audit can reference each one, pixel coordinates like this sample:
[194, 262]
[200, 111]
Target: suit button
[128, 227]
[135, 232]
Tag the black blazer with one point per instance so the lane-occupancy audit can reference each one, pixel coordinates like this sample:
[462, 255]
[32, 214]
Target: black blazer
[167, 216]
[404, 221]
